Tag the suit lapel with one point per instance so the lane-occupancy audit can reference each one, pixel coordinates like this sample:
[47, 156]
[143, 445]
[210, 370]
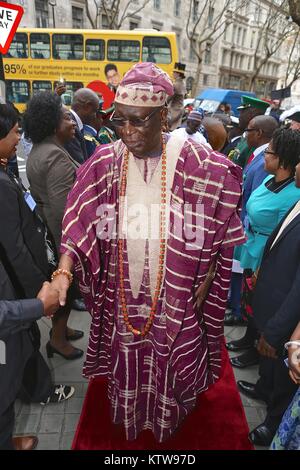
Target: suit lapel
[289, 227]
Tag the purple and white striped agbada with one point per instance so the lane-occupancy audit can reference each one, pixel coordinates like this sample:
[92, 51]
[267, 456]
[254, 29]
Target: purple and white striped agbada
[154, 381]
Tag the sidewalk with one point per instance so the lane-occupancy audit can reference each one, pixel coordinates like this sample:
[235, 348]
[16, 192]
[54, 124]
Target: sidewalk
[55, 424]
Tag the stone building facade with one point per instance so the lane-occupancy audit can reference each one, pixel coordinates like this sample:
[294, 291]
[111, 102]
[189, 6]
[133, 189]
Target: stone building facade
[227, 63]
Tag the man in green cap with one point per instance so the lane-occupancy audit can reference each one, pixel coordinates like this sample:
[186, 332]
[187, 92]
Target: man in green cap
[250, 107]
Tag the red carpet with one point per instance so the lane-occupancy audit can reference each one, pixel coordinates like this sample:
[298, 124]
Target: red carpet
[217, 423]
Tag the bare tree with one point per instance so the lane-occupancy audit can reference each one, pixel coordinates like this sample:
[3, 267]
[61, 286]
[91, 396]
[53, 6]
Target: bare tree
[116, 11]
[294, 8]
[293, 64]
[272, 33]
[205, 27]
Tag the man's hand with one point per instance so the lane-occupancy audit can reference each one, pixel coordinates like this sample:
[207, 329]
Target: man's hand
[60, 89]
[265, 349]
[294, 363]
[61, 285]
[49, 297]
[202, 291]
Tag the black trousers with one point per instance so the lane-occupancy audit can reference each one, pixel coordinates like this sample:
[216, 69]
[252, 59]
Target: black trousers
[276, 387]
[7, 420]
[36, 387]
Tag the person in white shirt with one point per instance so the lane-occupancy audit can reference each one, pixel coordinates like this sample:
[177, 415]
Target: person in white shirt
[191, 131]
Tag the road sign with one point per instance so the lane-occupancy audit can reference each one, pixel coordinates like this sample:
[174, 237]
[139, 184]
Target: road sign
[10, 17]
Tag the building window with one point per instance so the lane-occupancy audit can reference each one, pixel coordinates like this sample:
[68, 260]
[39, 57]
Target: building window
[42, 13]
[133, 24]
[104, 21]
[195, 10]
[156, 4]
[226, 31]
[233, 33]
[157, 26]
[177, 5]
[193, 55]
[210, 17]
[77, 17]
[207, 55]
[252, 44]
[205, 79]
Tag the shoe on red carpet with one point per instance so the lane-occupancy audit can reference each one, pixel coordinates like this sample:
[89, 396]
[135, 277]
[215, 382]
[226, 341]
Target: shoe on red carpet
[25, 442]
[261, 435]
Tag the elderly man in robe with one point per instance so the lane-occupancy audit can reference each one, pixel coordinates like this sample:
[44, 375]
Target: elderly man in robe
[149, 230]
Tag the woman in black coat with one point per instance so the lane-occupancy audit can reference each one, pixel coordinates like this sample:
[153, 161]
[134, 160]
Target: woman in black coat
[23, 258]
[22, 242]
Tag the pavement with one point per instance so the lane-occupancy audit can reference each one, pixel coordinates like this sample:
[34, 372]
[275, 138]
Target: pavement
[55, 424]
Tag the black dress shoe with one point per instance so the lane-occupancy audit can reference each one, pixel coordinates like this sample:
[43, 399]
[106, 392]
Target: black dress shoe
[233, 320]
[248, 389]
[247, 359]
[74, 337]
[78, 304]
[261, 436]
[76, 354]
[237, 346]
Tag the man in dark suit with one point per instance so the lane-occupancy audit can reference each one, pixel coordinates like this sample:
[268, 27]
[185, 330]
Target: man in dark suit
[84, 108]
[16, 318]
[276, 315]
[258, 135]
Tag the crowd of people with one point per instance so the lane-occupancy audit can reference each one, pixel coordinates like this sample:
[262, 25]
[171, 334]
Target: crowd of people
[157, 288]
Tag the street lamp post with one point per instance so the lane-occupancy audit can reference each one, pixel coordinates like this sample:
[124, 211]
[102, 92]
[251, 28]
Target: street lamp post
[52, 3]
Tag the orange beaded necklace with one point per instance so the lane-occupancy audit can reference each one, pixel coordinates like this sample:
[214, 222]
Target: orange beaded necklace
[162, 251]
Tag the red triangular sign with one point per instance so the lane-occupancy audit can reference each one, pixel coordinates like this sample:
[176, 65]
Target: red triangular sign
[10, 17]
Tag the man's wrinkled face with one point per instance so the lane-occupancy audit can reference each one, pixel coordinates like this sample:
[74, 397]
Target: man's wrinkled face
[141, 137]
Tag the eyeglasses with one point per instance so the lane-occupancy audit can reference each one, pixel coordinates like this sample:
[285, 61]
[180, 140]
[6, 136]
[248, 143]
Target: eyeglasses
[270, 152]
[119, 122]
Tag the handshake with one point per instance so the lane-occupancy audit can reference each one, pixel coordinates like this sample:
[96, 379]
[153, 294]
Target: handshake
[53, 295]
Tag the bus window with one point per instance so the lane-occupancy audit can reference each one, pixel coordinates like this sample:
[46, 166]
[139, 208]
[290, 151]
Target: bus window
[94, 49]
[17, 91]
[67, 46]
[157, 50]
[19, 47]
[40, 46]
[41, 85]
[123, 51]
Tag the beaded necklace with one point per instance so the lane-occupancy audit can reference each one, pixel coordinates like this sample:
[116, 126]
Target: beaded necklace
[145, 330]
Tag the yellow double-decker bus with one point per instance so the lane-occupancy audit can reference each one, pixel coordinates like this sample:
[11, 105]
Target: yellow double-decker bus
[38, 58]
